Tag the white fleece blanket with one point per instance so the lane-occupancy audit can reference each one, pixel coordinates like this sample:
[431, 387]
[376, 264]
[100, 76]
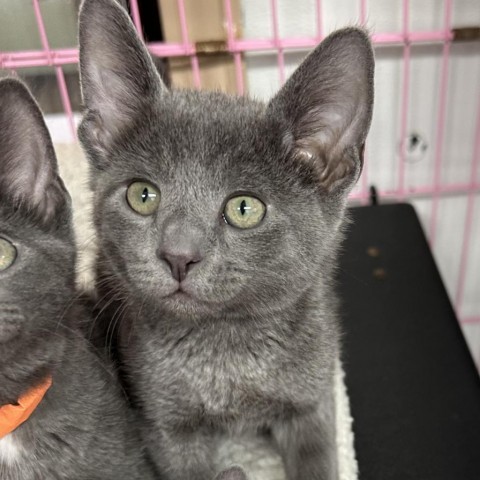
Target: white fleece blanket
[261, 462]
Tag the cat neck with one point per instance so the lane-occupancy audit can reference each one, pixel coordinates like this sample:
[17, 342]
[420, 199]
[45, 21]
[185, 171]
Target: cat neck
[16, 380]
[25, 362]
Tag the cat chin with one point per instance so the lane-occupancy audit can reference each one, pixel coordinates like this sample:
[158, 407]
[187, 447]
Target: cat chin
[185, 305]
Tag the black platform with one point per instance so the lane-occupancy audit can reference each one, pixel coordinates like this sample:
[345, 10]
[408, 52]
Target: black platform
[413, 387]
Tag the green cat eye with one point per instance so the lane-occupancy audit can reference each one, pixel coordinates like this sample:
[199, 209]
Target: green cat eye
[143, 197]
[8, 254]
[244, 211]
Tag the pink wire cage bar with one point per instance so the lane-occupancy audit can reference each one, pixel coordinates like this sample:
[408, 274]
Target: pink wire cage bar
[406, 38]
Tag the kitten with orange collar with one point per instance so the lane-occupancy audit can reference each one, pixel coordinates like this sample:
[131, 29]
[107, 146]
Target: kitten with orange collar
[62, 413]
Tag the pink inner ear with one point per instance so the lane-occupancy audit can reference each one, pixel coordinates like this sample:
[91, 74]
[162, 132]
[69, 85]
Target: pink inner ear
[40, 183]
[327, 138]
[101, 136]
[330, 165]
[30, 178]
[31, 187]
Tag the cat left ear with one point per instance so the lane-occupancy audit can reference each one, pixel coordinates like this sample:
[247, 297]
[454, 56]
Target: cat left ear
[28, 166]
[326, 107]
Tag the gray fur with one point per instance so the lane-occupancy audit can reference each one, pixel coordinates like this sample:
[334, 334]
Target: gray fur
[81, 430]
[232, 473]
[250, 344]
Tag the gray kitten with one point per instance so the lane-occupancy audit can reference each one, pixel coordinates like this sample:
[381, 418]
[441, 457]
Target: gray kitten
[219, 219]
[80, 428]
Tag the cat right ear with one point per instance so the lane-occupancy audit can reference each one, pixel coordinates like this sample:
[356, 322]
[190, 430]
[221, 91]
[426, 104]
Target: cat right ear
[118, 77]
[326, 107]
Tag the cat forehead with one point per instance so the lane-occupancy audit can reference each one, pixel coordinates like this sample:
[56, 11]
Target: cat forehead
[210, 141]
[203, 131]
[212, 104]
[206, 118]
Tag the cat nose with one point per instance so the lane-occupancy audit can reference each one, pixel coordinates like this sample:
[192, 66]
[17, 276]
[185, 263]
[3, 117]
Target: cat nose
[182, 245]
[180, 263]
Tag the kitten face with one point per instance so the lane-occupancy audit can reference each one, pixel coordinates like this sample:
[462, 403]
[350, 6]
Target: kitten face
[36, 243]
[297, 157]
[195, 176]
[37, 285]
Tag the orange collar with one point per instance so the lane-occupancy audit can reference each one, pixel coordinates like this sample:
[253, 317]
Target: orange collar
[12, 416]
